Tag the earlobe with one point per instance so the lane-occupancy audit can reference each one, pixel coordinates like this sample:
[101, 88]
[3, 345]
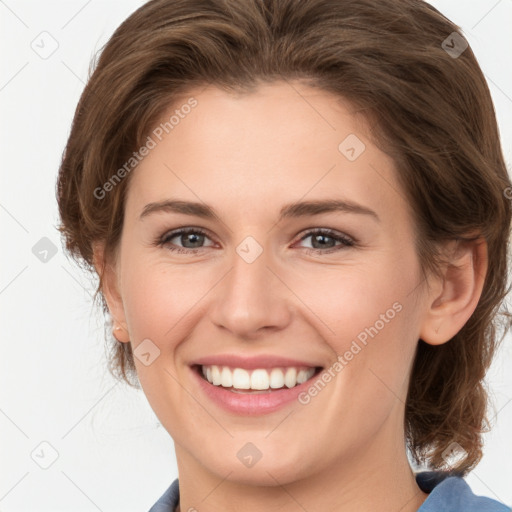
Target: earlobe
[120, 334]
[111, 293]
[452, 302]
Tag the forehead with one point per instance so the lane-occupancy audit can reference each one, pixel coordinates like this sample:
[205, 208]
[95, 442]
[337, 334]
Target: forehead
[271, 114]
[277, 144]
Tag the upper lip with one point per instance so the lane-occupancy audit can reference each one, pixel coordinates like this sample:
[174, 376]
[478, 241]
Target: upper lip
[250, 363]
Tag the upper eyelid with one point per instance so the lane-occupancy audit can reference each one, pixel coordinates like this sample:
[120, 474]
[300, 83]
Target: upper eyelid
[178, 231]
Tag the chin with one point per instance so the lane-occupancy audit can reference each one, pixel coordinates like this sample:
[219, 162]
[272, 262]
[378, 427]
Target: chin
[273, 470]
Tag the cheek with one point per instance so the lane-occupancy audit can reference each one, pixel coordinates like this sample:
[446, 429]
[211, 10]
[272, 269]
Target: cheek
[370, 317]
[347, 301]
[158, 300]
[387, 320]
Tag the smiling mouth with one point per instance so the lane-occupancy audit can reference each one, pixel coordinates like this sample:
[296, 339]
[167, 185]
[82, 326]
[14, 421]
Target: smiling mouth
[256, 381]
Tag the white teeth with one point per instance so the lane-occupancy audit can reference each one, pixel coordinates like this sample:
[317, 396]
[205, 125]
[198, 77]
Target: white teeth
[216, 380]
[226, 377]
[290, 377]
[276, 378]
[302, 376]
[259, 379]
[241, 379]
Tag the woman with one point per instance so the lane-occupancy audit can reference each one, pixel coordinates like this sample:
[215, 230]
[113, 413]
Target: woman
[337, 172]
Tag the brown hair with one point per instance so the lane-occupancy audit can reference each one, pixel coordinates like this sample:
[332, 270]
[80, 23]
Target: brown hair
[429, 109]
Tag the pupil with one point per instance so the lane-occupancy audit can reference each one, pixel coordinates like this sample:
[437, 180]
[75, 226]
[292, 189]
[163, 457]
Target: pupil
[193, 235]
[317, 237]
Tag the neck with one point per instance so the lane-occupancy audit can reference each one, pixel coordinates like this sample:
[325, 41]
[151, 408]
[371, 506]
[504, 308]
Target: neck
[377, 478]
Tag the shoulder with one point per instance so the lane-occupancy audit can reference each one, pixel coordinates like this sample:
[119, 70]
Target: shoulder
[169, 499]
[453, 494]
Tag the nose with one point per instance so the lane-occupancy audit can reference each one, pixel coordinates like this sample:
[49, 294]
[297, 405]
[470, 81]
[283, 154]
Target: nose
[252, 298]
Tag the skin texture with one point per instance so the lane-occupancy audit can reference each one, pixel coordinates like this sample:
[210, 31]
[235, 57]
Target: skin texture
[247, 156]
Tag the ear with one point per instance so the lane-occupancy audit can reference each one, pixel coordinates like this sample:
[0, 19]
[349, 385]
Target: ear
[455, 294]
[110, 290]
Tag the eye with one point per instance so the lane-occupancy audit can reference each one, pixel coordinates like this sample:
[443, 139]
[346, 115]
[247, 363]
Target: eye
[323, 240]
[192, 236]
[195, 237]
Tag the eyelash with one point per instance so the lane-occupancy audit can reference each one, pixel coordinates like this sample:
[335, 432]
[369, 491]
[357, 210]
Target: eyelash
[162, 241]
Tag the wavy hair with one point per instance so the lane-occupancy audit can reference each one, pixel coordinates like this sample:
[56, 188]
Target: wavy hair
[430, 110]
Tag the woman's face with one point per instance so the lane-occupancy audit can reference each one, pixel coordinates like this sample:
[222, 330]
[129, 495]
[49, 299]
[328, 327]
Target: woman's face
[249, 283]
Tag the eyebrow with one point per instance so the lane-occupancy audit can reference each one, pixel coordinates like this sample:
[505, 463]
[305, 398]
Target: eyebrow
[292, 210]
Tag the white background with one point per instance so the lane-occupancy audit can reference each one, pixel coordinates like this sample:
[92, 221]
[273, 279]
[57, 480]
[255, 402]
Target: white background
[113, 455]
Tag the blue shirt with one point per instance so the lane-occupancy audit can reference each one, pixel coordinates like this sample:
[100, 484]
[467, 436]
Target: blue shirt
[445, 494]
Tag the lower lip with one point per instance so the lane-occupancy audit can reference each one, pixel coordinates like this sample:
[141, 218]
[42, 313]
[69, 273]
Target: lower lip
[250, 404]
